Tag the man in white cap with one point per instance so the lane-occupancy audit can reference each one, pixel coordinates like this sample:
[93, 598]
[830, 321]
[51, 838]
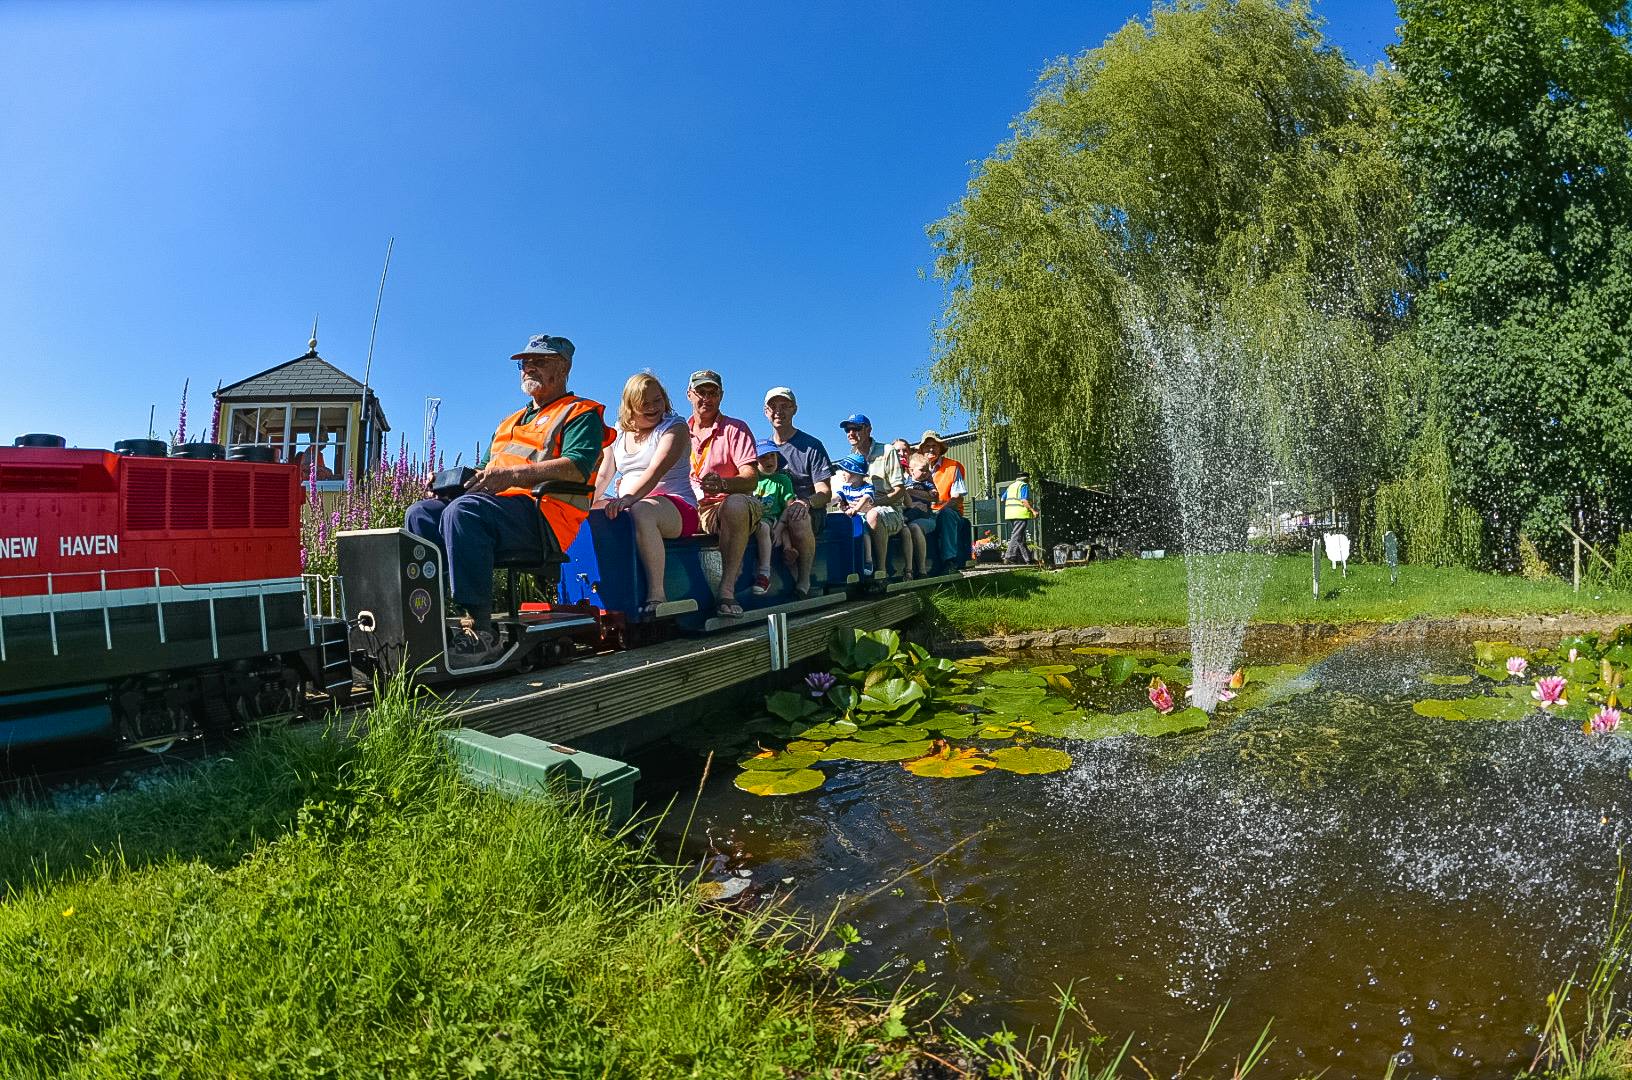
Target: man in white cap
[806, 462]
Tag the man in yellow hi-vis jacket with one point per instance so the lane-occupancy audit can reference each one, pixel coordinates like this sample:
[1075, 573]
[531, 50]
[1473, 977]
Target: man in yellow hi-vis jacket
[1018, 509]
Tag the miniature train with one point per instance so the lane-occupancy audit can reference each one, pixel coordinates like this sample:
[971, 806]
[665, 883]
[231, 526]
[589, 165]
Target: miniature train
[150, 593]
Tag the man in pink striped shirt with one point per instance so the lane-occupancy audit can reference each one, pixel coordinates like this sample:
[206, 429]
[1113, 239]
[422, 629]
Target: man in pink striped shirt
[724, 471]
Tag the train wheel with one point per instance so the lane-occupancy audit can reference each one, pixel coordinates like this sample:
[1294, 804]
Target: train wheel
[155, 727]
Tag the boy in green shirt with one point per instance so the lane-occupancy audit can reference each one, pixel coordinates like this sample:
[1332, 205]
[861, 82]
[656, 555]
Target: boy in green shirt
[774, 491]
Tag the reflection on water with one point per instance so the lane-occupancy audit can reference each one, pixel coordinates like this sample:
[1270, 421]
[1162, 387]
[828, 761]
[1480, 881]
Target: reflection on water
[1379, 883]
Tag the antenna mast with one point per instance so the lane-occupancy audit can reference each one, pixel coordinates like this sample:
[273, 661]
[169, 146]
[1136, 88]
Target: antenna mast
[368, 366]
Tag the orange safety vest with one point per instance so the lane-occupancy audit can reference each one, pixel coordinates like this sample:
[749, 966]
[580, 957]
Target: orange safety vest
[946, 470]
[515, 443]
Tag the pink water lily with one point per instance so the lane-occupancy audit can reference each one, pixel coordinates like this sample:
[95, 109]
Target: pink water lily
[1516, 665]
[1550, 691]
[1573, 655]
[1224, 692]
[1161, 696]
[1605, 719]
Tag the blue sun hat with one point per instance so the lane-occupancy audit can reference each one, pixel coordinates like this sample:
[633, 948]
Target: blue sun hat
[852, 463]
[766, 446]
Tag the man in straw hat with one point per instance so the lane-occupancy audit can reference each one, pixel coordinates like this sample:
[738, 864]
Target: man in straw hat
[950, 489]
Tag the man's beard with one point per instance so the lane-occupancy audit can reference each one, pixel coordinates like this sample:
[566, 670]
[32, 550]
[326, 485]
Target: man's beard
[531, 386]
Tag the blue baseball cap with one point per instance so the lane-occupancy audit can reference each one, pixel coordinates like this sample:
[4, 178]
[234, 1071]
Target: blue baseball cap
[852, 463]
[855, 419]
[766, 446]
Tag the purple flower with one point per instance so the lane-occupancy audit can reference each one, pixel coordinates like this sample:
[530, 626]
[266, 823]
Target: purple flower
[820, 682]
[181, 421]
[1605, 719]
[1516, 666]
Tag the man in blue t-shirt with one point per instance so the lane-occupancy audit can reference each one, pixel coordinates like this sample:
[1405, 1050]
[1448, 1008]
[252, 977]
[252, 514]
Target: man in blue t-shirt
[805, 460]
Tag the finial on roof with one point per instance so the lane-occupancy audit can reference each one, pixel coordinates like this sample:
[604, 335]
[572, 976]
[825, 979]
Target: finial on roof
[312, 344]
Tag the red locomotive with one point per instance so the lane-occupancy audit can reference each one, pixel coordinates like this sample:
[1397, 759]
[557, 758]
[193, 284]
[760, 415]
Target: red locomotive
[147, 595]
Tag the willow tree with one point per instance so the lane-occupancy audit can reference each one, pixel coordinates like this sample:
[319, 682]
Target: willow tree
[1219, 149]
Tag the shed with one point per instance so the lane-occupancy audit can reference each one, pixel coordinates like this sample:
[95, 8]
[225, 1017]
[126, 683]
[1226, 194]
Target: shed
[311, 412]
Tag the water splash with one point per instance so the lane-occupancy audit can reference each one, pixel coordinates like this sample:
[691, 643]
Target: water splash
[1209, 383]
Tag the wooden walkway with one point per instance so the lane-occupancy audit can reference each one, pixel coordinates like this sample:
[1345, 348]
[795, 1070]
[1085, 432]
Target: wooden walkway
[591, 695]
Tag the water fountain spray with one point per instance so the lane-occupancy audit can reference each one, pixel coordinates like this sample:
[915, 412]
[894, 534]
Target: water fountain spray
[1210, 383]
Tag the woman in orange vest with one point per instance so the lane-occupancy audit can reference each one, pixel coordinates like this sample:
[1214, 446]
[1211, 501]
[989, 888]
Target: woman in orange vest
[951, 538]
[559, 436]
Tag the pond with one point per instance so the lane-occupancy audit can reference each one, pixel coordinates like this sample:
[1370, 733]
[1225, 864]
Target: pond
[1376, 883]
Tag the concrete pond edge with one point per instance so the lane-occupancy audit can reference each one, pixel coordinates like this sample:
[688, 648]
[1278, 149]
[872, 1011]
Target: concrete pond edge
[1524, 630]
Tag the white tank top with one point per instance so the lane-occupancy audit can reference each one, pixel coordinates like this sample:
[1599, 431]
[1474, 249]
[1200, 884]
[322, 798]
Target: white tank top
[631, 461]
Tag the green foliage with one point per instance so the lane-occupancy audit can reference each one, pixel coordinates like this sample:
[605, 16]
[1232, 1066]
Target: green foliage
[1219, 150]
[1621, 576]
[1513, 122]
[1420, 507]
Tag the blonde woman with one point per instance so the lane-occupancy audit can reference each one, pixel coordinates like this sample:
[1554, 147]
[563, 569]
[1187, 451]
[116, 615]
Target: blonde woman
[653, 471]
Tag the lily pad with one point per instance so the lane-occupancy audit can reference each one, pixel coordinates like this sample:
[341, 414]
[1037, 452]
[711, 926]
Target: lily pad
[978, 662]
[1053, 669]
[1145, 722]
[766, 782]
[1447, 680]
[1120, 668]
[802, 745]
[995, 732]
[891, 733]
[1494, 674]
[780, 761]
[891, 694]
[834, 729]
[1059, 683]
[1473, 708]
[961, 731]
[1151, 723]
[950, 762]
[943, 718]
[1030, 760]
[851, 750]
[791, 706]
[1013, 679]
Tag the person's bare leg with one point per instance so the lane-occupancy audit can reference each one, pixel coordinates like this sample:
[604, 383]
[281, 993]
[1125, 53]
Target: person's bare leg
[733, 533]
[799, 539]
[654, 519]
[881, 546]
[762, 537]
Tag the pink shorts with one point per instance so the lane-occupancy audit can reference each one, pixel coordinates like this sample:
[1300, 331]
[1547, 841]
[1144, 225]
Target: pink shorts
[688, 514]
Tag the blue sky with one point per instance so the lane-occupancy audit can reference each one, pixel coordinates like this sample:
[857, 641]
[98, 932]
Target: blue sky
[184, 185]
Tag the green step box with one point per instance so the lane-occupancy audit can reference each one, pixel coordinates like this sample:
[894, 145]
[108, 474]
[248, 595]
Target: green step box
[523, 765]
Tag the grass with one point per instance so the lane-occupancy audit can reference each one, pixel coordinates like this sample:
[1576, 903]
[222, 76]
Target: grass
[366, 914]
[1151, 592]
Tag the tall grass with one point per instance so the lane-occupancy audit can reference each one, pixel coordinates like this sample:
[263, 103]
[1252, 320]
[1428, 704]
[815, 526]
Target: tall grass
[382, 918]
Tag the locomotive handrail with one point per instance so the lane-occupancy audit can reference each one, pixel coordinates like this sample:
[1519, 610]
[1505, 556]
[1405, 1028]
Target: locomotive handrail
[53, 600]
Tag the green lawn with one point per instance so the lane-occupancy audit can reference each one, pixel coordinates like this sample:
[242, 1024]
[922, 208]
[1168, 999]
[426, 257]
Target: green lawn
[322, 908]
[1151, 592]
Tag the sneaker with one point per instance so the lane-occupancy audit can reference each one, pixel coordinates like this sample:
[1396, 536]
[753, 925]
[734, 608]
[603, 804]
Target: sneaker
[762, 585]
[474, 648]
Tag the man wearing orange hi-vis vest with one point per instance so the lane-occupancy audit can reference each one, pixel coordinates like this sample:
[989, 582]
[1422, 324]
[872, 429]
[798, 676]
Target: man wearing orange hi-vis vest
[558, 436]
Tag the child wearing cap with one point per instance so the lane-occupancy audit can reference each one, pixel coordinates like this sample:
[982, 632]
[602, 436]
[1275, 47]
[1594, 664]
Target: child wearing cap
[856, 496]
[774, 491]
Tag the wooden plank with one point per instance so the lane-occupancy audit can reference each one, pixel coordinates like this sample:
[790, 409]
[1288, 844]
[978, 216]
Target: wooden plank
[587, 696]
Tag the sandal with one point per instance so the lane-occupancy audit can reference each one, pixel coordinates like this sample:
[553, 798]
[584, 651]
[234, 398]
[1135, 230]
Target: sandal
[728, 609]
[802, 593]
